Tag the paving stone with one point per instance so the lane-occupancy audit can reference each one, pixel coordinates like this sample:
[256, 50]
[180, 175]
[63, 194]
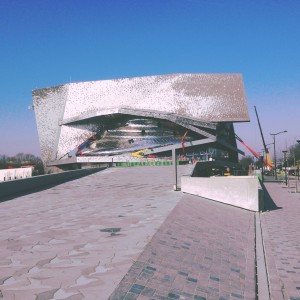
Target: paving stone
[148, 291]
[137, 288]
[46, 295]
[131, 296]
[173, 296]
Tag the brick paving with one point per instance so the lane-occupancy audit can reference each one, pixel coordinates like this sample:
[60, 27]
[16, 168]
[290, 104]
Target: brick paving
[281, 234]
[204, 250]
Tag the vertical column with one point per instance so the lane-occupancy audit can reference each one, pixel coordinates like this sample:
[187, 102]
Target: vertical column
[174, 162]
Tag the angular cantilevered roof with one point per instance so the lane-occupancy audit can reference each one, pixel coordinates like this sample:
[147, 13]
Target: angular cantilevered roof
[206, 98]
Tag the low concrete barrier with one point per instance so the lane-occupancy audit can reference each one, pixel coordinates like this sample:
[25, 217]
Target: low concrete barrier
[240, 191]
[18, 186]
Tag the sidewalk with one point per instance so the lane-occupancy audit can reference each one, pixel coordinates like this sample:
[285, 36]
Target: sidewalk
[78, 239]
[125, 234]
[281, 235]
[204, 250]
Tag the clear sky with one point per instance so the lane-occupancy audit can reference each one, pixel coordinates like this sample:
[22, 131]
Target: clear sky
[45, 43]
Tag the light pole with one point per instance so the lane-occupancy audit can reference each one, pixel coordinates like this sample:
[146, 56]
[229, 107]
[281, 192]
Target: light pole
[262, 160]
[298, 141]
[285, 163]
[263, 164]
[274, 140]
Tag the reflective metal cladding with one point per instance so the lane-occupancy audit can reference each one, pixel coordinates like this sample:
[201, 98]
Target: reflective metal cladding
[69, 114]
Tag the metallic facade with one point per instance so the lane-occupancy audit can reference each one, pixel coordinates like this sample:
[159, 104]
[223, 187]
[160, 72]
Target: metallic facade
[68, 115]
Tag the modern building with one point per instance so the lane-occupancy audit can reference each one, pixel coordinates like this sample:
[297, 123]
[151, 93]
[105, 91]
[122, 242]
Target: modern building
[140, 119]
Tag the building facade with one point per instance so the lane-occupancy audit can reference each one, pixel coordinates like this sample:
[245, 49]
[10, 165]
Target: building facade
[141, 118]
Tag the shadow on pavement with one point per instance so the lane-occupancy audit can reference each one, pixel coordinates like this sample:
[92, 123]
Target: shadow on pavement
[269, 204]
[43, 187]
[32, 191]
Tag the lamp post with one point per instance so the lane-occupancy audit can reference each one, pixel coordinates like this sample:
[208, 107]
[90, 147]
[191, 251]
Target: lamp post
[262, 167]
[262, 160]
[274, 141]
[285, 163]
[174, 162]
[298, 141]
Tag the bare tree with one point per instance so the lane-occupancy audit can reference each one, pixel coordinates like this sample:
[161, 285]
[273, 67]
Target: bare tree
[246, 161]
[22, 159]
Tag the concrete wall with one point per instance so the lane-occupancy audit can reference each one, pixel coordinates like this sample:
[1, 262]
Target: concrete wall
[18, 186]
[12, 174]
[240, 191]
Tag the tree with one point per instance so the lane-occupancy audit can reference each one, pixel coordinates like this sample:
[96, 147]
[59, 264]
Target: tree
[22, 159]
[246, 161]
[294, 155]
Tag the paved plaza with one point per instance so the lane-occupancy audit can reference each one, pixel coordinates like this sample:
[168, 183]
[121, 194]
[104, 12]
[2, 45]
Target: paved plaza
[123, 233]
[204, 250]
[78, 239]
[281, 234]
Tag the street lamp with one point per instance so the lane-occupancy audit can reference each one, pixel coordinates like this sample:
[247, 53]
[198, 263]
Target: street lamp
[285, 163]
[274, 135]
[298, 141]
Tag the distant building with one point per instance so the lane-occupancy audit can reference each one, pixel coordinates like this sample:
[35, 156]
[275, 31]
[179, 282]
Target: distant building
[140, 119]
[17, 173]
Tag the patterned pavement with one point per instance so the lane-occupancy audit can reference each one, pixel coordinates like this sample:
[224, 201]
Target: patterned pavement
[204, 250]
[78, 239]
[124, 234]
[281, 234]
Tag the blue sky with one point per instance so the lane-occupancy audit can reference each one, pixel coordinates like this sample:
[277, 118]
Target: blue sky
[45, 43]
